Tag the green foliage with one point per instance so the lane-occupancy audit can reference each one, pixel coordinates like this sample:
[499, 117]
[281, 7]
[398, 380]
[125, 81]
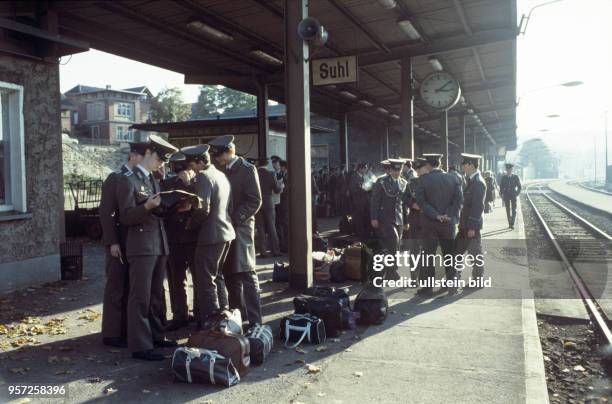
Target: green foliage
[168, 106]
[215, 100]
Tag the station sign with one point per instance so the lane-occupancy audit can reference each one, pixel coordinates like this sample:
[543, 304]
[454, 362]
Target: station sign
[334, 70]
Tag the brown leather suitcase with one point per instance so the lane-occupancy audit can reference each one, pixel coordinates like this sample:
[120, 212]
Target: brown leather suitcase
[352, 262]
[228, 344]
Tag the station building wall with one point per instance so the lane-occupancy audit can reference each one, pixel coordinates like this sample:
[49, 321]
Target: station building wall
[30, 228]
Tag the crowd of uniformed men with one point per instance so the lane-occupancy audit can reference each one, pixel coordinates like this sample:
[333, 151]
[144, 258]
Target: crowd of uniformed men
[242, 208]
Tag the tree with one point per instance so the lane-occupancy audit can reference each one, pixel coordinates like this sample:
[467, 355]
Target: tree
[168, 106]
[215, 100]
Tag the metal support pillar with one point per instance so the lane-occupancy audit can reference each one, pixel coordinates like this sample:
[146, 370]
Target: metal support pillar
[407, 111]
[343, 133]
[444, 140]
[474, 148]
[386, 142]
[462, 129]
[263, 126]
[297, 98]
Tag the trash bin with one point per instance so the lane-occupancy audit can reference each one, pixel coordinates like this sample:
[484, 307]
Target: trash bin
[71, 256]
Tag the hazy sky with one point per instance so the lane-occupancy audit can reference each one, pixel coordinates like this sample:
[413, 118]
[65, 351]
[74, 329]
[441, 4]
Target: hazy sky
[565, 41]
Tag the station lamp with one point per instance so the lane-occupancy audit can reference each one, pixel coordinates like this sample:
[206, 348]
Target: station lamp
[435, 64]
[382, 110]
[266, 57]
[395, 116]
[572, 83]
[366, 103]
[409, 29]
[387, 4]
[209, 31]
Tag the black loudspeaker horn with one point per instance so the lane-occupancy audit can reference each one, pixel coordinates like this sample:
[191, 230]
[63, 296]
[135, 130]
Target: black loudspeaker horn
[312, 32]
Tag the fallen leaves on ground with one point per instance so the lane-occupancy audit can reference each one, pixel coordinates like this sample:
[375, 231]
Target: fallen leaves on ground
[109, 391]
[321, 348]
[358, 374]
[312, 369]
[301, 351]
[94, 380]
[89, 315]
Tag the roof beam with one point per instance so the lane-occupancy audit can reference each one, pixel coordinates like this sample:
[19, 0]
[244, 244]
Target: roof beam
[134, 14]
[372, 37]
[439, 46]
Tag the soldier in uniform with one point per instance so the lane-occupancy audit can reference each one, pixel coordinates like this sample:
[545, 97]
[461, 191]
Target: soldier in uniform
[282, 219]
[265, 220]
[408, 173]
[214, 238]
[239, 268]
[386, 166]
[359, 201]
[510, 188]
[114, 311]
[415, 215]
[146, 250]
[181, 241]
[389, 210]
[439, 195]
[470, 221]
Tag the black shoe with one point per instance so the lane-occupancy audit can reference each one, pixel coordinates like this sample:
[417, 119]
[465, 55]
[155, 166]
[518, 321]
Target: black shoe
[115, 342]
[148, 355]
[425, 292]
[165, 343]
[176, 324]
[191, 318]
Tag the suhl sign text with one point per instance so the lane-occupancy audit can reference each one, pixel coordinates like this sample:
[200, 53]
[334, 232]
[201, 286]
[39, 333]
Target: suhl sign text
[334, 70]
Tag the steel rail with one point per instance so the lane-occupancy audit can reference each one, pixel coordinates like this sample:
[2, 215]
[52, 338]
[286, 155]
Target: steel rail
[583, 291]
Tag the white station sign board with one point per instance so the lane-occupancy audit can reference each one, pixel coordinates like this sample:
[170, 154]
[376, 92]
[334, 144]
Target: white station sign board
[334, 70]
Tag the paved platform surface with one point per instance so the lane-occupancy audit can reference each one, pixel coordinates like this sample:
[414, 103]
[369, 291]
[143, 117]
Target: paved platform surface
[582, 195]
[476, 347]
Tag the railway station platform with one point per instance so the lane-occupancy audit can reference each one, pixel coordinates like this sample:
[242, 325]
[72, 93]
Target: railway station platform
[593, 199]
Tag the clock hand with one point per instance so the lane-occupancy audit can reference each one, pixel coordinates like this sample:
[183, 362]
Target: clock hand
[445, 84]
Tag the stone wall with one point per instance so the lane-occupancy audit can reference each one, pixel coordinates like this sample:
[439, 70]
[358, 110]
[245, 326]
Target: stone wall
[29, 252]
[91, 161]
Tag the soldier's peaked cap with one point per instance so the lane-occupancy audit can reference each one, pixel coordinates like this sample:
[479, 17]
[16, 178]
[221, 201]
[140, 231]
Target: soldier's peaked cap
[470, 158]
[397, 163]
[198, 150]
[176, 157]
[419, 162]
[509, 165]
[162, 147]
[221, 144]
[432, 157]
[385, 163]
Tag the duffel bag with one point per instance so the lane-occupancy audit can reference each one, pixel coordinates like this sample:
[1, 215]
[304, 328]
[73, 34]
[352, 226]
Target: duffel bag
[280, 273]
[231, 345]
[260, 343]
[346, 225]
[194, 365]
[340, 294]
[231, 322]
[372, 305]
[328, 309]
[302, 327]
[336, 272]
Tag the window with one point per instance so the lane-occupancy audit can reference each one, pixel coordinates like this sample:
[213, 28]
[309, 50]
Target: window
[12, 156]
[95, 111]
[75, 117]
[124, 109]
[124, 135]
[95, 132]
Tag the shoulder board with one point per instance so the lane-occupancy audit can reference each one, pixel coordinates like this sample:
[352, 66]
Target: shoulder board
[247, 164]
[126, 173]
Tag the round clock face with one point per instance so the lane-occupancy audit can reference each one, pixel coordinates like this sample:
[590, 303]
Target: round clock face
[440, 90]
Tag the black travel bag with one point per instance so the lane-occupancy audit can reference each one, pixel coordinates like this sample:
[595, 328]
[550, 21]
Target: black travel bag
[302, 327]
[280, 272]
[328, 309]
[372, 305]
[261, 342]
[346, 225]
[197, 365]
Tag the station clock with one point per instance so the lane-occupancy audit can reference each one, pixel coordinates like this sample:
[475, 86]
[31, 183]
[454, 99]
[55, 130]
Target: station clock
[440, 90]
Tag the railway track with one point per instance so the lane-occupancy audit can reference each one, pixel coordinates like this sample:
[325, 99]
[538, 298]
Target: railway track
[583, 248]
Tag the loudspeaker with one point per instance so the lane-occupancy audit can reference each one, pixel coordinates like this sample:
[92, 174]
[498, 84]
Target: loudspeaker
[311, 31]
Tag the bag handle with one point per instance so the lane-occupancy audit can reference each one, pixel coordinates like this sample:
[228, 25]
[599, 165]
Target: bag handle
[305, 332]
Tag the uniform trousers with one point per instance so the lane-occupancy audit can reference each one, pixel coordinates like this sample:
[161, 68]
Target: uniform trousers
[436, 233]
[116, 291]
[181, 258]
[211, 294]
[265, 223]
[510, 204]
[243, 294]
[473, 246]
[145, 301]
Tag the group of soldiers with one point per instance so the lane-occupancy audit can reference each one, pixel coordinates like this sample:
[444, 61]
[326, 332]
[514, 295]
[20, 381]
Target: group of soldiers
[215, 195]
[432, 208]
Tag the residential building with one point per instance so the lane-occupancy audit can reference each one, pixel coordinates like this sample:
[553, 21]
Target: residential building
[104, 115]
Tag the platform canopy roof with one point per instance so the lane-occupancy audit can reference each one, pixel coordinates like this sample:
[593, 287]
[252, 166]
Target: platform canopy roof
[475, 40]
